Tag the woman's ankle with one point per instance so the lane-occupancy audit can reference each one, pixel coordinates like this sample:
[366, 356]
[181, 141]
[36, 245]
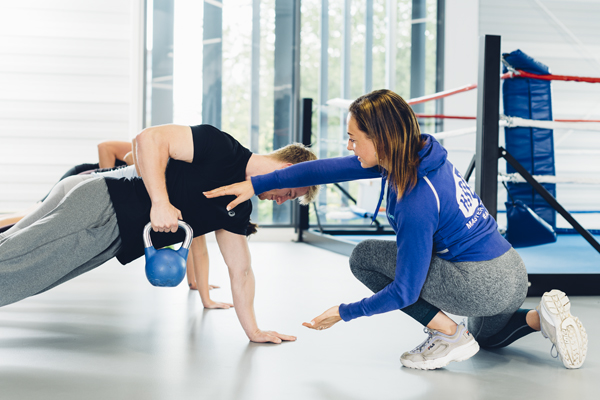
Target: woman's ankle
[533, 320]
[442, 323]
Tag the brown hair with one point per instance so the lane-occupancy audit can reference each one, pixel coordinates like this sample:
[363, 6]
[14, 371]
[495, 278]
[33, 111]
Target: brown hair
[252, 228]
[296, 153]
[391, 124]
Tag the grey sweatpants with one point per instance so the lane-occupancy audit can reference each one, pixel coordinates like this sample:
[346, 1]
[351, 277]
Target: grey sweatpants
[56, 195]
[77, 235]
[488, 292]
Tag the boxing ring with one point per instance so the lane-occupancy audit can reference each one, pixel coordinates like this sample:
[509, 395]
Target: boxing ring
[568, 258]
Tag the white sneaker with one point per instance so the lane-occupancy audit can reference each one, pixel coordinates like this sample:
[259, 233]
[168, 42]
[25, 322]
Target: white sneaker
[439, 350]
[565, 331]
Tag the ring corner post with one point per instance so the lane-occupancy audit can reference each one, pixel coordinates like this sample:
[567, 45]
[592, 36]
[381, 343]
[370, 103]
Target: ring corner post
[488, 113]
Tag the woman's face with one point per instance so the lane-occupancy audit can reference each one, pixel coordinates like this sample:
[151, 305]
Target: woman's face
[361, 145]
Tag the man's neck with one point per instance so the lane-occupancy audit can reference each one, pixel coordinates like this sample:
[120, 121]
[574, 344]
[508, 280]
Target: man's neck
[260, 165]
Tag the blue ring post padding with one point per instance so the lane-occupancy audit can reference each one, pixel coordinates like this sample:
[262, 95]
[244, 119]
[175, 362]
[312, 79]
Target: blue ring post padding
[532, 147]
[526, 227]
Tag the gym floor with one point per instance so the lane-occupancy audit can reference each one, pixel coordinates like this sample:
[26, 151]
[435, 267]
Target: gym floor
[110, 335]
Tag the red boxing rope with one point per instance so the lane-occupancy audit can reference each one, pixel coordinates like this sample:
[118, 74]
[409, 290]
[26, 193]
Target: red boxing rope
[518, 74]
[441, 116]
[440, 95]
[577, 120]
[523, 74]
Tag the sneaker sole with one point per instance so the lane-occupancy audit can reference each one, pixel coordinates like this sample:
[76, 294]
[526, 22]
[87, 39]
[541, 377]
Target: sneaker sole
[460, 354]
[571, 337]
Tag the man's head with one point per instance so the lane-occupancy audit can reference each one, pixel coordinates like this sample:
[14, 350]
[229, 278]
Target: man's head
[280, 196]
[292, 154]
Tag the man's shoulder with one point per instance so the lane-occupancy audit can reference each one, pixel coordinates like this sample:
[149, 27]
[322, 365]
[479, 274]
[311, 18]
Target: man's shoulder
[212, 139]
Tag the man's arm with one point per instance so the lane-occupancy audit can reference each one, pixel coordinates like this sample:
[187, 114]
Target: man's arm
[153, 148]
[110, 151]
[236, 254]
[198, 262]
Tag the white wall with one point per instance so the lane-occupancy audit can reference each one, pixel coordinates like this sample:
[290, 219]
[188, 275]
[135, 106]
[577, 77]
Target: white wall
[70, 78]
[460, 68]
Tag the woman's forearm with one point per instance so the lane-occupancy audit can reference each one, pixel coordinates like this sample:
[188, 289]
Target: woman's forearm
[330, 170]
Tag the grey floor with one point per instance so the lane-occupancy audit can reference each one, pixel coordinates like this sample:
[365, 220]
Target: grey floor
[110, 335]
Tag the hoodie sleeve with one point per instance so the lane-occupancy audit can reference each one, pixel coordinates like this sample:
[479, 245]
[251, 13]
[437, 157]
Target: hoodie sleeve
[417, 221]
[310, 173]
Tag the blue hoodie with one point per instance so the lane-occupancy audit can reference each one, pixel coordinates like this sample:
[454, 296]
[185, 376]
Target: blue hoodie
[441, 215]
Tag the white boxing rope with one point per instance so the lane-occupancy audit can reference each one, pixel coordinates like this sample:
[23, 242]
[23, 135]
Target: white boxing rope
[513, 122]
[454, 133]
[341, 103]
[460, 132]
[517, 178]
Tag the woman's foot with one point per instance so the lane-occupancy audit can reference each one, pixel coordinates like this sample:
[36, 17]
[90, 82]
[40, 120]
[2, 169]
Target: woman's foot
[565, 331]
[439, 349]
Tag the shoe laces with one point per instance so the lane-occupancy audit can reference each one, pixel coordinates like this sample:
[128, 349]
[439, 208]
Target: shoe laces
[419, 348]
[553, 348]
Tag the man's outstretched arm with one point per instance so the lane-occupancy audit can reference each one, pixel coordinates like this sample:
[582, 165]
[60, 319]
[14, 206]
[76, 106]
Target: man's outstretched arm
[236, 254]
[153, 148]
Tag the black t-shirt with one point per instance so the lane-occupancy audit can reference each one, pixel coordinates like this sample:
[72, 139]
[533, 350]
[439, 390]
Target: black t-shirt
[219, 160]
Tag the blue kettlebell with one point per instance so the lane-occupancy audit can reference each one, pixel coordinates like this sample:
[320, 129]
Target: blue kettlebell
[166, 267]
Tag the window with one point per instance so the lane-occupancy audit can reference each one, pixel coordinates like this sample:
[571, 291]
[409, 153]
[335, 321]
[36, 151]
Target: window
[349, 48]
[242, 65]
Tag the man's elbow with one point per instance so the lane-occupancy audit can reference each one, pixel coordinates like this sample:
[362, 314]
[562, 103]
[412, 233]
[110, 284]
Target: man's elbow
[145, 136]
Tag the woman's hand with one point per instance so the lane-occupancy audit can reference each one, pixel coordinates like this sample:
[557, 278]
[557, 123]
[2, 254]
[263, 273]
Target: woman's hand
[270, 336]
[325, 320]
[242, 190]
[215, 304]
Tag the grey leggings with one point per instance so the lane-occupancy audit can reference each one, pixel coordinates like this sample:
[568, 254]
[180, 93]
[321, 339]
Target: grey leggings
[488, 292]
[80, 233]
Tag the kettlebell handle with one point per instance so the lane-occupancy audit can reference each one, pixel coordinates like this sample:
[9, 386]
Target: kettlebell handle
[189, 234]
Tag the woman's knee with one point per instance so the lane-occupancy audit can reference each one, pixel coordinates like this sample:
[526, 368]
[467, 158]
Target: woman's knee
[373, 262]
[357, 257]
[371, 250]
[365, 254]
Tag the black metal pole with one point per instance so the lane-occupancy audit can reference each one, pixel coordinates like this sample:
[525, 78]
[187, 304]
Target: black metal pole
[305, 137]
[345, 192]
[470, 168]
[549, 198]
[488, 113]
